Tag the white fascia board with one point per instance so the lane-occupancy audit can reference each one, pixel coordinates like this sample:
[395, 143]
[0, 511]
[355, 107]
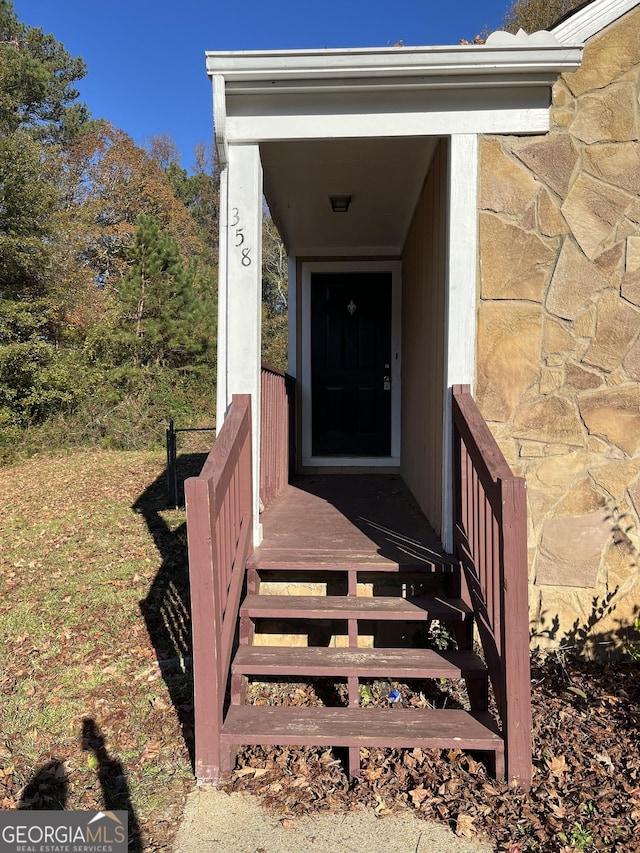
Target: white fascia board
[592, 19]
[251, 71]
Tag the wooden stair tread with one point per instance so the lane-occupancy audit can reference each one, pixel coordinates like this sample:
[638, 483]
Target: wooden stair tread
[316, 661]
[392, 727]
[311, 561]
[352, 607]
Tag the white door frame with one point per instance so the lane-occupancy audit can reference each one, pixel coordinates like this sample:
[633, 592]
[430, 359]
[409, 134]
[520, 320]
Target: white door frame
[395, 268]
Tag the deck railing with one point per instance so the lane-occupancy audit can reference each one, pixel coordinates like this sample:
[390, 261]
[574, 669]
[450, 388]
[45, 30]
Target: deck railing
[219, 532]
[275, 432]
[490, 539]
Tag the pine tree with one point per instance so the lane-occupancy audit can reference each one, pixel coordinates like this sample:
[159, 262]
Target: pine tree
[37, 76]
[37, 116]
[160, 309]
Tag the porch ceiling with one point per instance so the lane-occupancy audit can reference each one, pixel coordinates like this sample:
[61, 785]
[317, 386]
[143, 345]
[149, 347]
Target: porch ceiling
[383, 176]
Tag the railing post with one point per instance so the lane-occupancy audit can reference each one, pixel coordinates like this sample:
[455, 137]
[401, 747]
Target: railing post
[246, 466]
[206, 617]
[515, 633]
[275, 434]
[290, 389]
[459, 480]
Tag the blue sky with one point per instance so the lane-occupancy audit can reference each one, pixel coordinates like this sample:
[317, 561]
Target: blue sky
[145, 58]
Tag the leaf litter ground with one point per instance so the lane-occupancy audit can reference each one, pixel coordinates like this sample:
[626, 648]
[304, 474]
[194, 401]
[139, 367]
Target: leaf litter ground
[96, 704]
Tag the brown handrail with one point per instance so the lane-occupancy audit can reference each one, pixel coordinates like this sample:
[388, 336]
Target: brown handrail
[490, 539]
[275, 432]
[219, 532]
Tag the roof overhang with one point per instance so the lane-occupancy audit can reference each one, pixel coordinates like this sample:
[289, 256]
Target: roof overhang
[254, 85]
[502, 55]
[298, 105]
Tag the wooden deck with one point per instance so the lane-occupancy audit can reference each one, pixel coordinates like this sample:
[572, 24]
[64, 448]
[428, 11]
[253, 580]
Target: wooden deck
[335, 521]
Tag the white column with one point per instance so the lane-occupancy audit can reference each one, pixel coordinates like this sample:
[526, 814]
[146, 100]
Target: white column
[222, 398]
[460, 319]
[240, 294]
[292, 316]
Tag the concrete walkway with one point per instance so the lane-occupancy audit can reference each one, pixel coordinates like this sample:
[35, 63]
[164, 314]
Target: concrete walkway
[215, 821]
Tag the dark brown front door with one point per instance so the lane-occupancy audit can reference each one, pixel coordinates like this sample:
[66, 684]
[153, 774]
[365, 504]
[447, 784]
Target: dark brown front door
[351, 364]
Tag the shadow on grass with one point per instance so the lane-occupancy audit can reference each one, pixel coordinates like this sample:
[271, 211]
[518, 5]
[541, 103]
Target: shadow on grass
[167, 607]
[113, 780]
[49, 788]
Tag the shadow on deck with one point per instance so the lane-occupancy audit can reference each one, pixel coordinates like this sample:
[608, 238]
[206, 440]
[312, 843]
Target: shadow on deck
[340, 520]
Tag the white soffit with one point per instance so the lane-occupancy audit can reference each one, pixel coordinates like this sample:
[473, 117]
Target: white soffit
[591, 19]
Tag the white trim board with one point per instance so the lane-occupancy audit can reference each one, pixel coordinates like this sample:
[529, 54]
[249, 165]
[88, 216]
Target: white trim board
[395, 268]
[592, 19]
[274, 128]
[249, 71]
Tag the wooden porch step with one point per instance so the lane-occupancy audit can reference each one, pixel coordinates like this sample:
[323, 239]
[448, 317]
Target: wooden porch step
[362, 727]
[354, 563]
[385, 608]
[364, 663]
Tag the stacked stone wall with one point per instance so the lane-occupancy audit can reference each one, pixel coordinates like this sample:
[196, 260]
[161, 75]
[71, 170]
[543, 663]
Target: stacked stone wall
[558, 360]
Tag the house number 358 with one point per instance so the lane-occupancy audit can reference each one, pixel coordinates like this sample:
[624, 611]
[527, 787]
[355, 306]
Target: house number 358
[245, 258]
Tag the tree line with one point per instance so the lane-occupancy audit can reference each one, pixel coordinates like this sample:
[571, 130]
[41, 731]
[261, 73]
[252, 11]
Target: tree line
[108, 265]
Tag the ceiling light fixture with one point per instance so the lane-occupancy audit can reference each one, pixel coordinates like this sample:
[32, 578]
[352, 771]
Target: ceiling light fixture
[340, 203]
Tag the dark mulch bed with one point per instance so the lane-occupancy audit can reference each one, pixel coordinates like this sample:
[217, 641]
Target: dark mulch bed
[586, 785]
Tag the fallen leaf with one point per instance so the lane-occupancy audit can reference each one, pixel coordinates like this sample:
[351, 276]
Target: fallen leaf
[372, 774]
[473, 766]
[244, 771]
[151, 750]
[418, 795]
[558, 765]
[464, 826]
[604, 758]
[578, 692]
